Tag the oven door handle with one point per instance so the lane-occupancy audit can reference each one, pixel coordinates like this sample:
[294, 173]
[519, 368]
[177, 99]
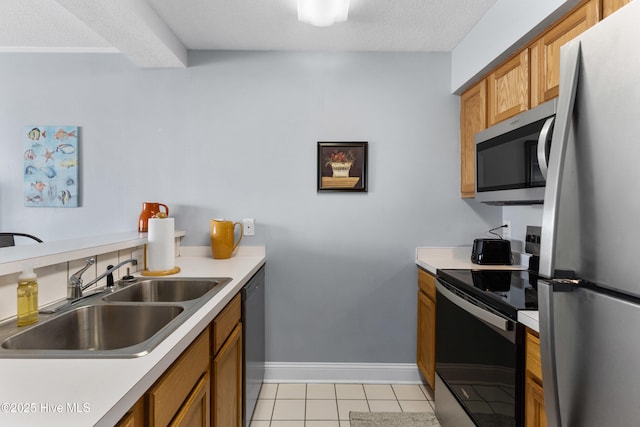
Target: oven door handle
[482, 314]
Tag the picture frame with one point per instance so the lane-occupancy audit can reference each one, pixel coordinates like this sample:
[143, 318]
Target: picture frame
[51, 177]
[342, 166]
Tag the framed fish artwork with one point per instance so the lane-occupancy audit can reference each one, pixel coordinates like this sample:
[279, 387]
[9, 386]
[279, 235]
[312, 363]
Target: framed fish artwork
[51, 166]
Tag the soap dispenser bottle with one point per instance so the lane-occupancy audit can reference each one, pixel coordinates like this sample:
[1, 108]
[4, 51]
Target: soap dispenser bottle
[27, 297]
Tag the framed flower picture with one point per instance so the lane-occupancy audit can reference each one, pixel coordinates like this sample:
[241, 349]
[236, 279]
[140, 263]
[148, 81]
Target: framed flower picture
[342, 166]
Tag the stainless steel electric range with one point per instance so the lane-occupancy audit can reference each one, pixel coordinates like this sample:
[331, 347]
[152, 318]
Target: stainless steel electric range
[480, 346]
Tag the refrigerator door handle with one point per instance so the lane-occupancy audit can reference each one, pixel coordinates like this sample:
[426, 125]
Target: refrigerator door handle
[548, 354]
[543, 160]
[569, 72]
[548, 346]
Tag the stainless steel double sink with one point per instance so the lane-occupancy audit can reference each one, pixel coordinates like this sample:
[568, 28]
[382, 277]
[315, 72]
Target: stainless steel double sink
[128, 322]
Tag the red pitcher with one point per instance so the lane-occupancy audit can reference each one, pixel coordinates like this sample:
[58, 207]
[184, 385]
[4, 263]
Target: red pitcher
[149, 209]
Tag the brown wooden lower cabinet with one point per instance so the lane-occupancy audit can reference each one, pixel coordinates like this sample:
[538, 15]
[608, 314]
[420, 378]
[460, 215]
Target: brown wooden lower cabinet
[227, 382]
[226, 367]
[426, 340]
[196, 410]
[534, 413]
[135, 417]
[169, 395]
[534, 404]
[203, 387]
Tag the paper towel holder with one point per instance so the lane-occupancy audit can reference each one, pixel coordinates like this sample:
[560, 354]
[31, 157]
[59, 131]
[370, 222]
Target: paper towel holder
[146, 272]
[159, 251]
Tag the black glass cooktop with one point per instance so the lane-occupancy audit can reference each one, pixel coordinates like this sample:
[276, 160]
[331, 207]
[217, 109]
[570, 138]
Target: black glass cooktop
[504, 290]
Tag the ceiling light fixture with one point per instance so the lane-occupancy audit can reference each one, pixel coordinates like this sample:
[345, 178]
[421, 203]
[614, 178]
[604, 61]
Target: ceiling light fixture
[323, 13]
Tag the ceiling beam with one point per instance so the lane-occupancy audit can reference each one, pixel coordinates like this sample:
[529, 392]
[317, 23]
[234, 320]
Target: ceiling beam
[133, 28]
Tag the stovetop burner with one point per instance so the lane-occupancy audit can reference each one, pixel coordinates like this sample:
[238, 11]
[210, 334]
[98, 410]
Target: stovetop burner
[504, 290]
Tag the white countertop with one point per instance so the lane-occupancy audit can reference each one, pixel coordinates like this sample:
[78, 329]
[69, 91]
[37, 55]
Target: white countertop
[432, 259]
[530, 318]
[105, 389]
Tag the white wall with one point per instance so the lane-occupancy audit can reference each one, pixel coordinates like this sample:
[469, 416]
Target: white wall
[234, 135]
[503, 30]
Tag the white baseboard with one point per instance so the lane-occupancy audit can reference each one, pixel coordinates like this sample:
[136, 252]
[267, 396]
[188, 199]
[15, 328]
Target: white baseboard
[360, 373]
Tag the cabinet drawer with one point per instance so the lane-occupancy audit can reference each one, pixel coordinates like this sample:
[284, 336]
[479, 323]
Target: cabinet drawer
[168, 394]
[534, 366]
[427, 283]
[224, 323]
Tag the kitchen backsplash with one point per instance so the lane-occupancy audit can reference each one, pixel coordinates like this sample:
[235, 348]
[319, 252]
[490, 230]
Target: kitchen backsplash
[521, 217]
[52, 280]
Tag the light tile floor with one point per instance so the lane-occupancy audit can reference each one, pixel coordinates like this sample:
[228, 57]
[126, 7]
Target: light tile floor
[328, 405]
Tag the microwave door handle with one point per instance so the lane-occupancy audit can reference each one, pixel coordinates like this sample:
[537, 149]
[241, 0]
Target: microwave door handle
[543, 160]
[473, 309]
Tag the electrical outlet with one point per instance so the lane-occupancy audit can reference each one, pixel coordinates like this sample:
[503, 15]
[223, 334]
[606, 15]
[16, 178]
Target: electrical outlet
[532, 240]
[506, 231]
[248, 227]
[138, 255]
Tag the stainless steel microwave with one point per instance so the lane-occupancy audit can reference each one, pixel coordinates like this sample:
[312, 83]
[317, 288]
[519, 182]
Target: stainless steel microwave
[512, 157]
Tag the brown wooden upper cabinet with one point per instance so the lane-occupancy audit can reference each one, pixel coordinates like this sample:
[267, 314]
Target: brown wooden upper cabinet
[610, 6]
[473, 119]
[545, 51]
[525, 80]
[508, 88]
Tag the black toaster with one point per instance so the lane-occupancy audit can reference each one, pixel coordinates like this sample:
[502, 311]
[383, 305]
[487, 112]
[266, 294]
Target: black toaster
[491, 251]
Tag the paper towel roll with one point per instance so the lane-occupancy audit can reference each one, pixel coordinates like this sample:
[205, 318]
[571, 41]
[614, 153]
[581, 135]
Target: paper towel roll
[161, 244]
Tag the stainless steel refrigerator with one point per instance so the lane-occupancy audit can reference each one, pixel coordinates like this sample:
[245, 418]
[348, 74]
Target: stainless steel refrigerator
[590, 322]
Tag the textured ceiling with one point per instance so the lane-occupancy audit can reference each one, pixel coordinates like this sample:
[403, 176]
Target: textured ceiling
[158, 32]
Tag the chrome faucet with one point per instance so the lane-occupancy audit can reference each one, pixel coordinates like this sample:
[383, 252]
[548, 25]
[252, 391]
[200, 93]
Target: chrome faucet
[75, 286]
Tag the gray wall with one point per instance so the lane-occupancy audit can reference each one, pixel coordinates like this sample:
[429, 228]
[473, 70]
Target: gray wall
[234, 135]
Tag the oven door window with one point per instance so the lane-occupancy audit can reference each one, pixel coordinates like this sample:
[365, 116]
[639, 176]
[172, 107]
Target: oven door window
[510, 161]
[480, 366]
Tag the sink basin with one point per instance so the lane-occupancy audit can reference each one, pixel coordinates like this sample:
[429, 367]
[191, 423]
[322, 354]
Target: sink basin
[168, 290]
[130, 322]
[96, 327]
